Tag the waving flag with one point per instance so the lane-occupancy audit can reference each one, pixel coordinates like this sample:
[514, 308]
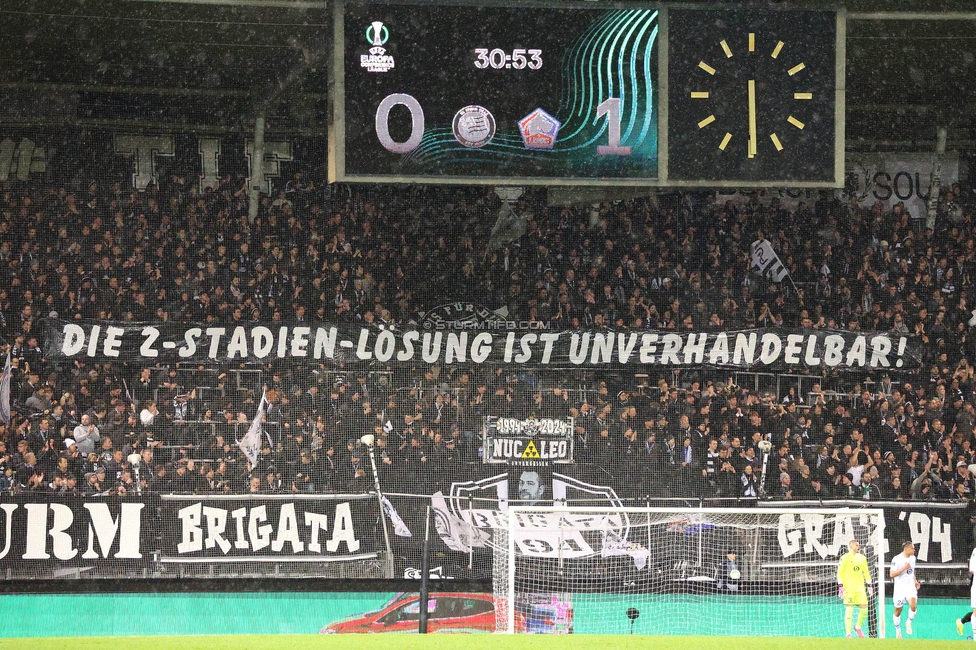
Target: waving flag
[399, 526]
[766, 262]
[5, 392]
[250, 444]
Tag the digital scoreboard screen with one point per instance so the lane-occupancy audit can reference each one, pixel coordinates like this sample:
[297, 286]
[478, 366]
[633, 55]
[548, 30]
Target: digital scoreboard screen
[439, 93]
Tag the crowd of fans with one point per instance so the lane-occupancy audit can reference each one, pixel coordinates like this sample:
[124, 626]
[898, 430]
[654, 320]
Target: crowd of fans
[385, 255]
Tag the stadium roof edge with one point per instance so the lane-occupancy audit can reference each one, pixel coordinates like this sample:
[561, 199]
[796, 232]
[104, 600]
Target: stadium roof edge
[283, 4]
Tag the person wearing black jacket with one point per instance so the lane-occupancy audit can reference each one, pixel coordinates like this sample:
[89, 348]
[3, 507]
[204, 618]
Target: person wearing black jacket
[662, 465]
[868, 491]
[727, 479]
[184, 479]
[803, 486]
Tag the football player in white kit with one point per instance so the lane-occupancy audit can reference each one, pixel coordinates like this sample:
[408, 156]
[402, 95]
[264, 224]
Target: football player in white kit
[906, 587]
[961, 622]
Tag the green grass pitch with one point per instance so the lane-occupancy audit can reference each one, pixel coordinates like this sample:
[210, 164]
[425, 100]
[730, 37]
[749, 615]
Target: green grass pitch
[456, 642]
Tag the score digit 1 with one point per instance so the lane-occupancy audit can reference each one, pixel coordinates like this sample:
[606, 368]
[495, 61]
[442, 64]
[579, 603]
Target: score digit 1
[610, 107]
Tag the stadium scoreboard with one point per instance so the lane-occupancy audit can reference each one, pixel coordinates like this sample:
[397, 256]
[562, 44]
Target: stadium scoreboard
[530, 93]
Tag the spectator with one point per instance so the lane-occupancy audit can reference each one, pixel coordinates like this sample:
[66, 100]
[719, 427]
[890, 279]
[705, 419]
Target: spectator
[86, 435]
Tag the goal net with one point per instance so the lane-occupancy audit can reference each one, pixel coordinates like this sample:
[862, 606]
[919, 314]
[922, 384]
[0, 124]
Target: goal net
[757, 572]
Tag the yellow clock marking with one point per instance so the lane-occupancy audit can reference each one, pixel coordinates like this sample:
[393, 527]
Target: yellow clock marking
[752, 42]
[799, 66]
[707, 68]
[728, 50]
[802, 95]
[708, 120]
[778, 49]
[795, 122]
[725, 141]
[752, 118]
[776, 142]
[699, 94]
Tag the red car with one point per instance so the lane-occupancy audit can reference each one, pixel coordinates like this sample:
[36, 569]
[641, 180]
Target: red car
[449, 613]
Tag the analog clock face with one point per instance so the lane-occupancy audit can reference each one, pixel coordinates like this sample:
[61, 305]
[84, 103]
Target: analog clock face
[752, 96]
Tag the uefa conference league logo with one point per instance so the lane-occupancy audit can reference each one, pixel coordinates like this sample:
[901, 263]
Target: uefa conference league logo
[473, 126]
[377, 34]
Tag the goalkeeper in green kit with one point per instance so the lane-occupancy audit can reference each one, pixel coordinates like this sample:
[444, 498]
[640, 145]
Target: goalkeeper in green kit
[854, 579]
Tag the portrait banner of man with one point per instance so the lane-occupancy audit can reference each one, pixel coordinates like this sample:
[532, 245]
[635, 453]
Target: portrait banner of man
[532, 486]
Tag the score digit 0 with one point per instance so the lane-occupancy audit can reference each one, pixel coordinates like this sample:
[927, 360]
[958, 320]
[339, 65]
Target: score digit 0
[610, 107]
[383, 123]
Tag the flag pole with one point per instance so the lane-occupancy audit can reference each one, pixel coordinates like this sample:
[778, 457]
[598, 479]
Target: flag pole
[425, 574]
[793, 284]
[369, 440]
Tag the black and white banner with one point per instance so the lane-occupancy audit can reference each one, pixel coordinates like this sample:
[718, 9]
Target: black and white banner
[472, 511]
[942, 532]
[888, 178]
[532, 442]
[892, 178]
[45, 534]
[271, 528]
[75, 532]
[335, 344]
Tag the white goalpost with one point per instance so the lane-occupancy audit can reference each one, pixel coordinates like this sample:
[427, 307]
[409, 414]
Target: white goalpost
[682, 571]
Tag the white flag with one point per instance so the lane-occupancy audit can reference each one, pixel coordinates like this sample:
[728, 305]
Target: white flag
[399, 526]
[613, 546]
[250, 444]
[5, 392]
[766, 262]
[456, 533]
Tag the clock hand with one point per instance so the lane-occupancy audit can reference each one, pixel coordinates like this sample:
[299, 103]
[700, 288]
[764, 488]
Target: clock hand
[752, 118]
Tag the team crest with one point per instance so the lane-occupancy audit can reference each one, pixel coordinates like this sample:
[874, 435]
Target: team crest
[539, 130]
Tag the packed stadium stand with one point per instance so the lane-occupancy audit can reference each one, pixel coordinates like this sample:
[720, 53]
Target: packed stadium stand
[354, 254]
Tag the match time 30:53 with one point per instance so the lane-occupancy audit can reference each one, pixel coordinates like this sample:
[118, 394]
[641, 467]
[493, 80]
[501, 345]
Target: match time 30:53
[499, 59]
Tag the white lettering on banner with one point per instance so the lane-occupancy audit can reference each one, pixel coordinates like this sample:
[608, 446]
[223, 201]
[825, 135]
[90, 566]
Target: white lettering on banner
[508, 448]
[287, 530]
[205, 527]
[804, 532]
[216, 523]
[562, 535]
[889, 177]
[143, 149]
[925, 531]
[239, 516]
[878, 350]
[343, 531]
[61, 544]
[126, 528]
[552, 543]
[192, 533]
[146, 350]
[317, 522]
[8, 510]
[513, 426]
[22, 159]
[260, 535]
[209, 151]
[36, 542]
[788, 537]
[275, 153]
